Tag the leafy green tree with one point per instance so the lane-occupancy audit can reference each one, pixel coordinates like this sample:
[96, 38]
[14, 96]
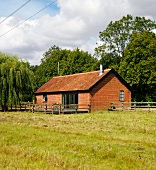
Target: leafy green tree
[70, 62]
[115, 37]
[139, 66]
[78, 61]
[49, 66]
[15, 81]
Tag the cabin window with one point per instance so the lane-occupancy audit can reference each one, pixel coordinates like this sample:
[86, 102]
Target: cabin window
[121, 95]
[45, 98]
[70, 98]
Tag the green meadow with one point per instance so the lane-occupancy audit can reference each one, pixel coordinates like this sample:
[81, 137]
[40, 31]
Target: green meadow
[92, 141]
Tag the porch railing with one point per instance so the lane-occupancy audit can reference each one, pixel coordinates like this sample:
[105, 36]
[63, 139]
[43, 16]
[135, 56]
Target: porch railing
[60, 108]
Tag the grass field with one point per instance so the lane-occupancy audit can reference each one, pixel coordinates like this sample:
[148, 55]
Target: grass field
[92, 141]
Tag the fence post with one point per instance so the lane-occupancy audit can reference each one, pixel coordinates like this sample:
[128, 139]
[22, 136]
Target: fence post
[89, 108]
[33, 106]
[122, 106]
[45, 110]
[20, 106]
[76, 108]
[62, 108]
[135, 106]
[59, 109]
[148, 106]
[52, 109]
[29, 106]
[25, 106]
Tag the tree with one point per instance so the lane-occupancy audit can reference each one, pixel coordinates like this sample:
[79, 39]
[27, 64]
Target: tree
[70, 62]
[117, 34]
[15, 81]
[78, 61]
[139, 65]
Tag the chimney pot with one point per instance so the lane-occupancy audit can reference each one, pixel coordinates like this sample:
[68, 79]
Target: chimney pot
[101, 70]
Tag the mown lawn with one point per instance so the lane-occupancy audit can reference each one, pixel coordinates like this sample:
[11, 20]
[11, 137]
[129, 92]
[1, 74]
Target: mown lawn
[94, 141]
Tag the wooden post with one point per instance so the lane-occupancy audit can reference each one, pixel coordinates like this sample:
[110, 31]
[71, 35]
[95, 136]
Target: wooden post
[62, 106]
[89, 108]
[33, 106]
[29, 105]
[76, 108]
[59, 107]
[148, 106]
[135, 106]
[20, 106]
[52, 109]
[25, 107]
[122, 106]
[45, 110]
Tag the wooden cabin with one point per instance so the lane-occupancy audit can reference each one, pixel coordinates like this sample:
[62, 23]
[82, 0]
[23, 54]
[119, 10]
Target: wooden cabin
[97, 89]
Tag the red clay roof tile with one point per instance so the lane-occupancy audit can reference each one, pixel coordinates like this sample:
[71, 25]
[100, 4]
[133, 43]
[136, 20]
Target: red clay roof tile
[74, 82]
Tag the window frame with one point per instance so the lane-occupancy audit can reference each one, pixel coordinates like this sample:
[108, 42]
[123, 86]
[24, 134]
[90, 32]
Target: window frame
[69, 98]
[122, 95]
[45, 98]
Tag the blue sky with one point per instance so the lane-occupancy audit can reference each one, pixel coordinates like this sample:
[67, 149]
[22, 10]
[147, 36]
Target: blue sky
[9, 6]
[66, 23]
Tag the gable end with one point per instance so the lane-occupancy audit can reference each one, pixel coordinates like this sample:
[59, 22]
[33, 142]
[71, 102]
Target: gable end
[117, 75]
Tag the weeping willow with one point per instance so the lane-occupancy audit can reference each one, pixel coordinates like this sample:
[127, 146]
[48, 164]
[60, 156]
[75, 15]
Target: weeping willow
[15, 80]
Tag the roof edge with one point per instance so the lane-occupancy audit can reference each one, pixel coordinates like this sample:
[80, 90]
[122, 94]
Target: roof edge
[71, 91]
[117, 75]
[122, 80]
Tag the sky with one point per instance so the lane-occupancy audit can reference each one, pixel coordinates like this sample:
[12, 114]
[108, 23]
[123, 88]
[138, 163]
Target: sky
[68, 24]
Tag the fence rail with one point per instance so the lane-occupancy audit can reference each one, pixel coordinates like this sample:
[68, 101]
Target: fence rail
[50, 108]
[24, 106]
[77, 108]
[141, 106]
[60, 108]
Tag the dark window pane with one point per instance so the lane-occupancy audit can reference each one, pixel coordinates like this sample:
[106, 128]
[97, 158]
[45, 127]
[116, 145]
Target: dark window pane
[45, 98]
[69, 98]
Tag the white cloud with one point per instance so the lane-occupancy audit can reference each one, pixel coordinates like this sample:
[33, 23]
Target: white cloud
[143, 7]
[77, 24]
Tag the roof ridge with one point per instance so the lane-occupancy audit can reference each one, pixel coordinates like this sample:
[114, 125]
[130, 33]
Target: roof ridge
[76, 74]
[81, 73]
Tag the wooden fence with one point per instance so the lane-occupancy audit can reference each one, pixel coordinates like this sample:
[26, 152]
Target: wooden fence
[136, 106]
[24, 106]
[77, 108]
[59, 108]
[50, 108]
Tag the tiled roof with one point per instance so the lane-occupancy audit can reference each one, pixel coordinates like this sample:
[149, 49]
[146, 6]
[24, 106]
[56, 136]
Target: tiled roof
[74, 82]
